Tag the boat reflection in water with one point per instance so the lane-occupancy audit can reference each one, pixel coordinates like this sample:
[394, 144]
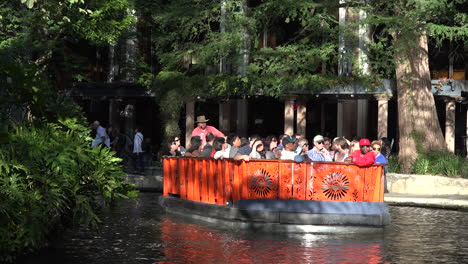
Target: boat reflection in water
[192, 243]
[143, 233]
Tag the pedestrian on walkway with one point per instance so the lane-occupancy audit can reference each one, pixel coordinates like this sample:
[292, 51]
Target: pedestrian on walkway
[138, 168]
[101, 135]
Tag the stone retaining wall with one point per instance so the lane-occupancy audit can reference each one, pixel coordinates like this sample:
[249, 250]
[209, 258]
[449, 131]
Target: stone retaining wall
[426, 184]
[151, 181]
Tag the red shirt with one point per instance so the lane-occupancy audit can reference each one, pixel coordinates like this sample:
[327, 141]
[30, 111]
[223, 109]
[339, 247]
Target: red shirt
[363, 160]
[202, 133]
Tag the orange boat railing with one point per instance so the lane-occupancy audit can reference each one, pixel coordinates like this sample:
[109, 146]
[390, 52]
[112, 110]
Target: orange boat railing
[222, 181]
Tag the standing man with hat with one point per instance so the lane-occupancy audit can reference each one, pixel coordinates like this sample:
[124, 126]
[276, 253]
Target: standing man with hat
[363, 156]
[202, 129]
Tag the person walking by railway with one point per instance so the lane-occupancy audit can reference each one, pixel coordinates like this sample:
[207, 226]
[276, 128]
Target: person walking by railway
[101, 135]
[138, 162]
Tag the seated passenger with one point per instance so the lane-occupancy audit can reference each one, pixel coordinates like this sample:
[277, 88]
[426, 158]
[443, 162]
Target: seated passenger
[220, 147]
[341, 149]
[195, 147]
[280, 141]
[244, 150]
[380, 158]
[171, 149]
[234, 143]
[327, 144]
[376, 148]
[353, 146]
[362, 157]
[301, 151]
[208, 148]
[318, 152]
[180, 148]
[258, 150]
[278, 153]
[270, 143]
[289, 151]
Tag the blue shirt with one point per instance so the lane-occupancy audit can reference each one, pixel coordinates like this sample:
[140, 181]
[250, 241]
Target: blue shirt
[380, 159]
[317, 156]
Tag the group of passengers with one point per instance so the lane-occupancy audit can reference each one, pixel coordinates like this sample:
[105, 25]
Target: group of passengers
[208, 142]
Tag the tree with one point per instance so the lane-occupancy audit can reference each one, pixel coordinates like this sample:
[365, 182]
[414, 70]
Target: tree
[405, 24]
[36, 50]
[46, 33]
[191, 38]
[189, 44]
[49, 174]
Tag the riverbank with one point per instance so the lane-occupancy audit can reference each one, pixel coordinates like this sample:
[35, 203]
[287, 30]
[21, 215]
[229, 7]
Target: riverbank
[405, 190]
[427, 191]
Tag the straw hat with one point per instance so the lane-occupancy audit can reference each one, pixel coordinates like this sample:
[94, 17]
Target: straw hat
[201, 119]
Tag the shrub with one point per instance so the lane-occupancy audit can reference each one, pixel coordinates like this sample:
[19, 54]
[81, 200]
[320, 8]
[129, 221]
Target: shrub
[393, 164]
[435, 163]
[439, 163]
[49, 176]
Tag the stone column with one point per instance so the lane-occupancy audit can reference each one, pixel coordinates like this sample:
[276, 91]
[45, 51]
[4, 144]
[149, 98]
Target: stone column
[225, 116]
[450, 124]
[301, 121]
[362, 108]
[289, 115]
[382, 118]
[242, 117]
[189, 122]
[466, 131]
[339, 118]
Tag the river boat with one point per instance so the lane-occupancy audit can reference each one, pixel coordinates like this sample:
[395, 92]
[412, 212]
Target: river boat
[276, 195]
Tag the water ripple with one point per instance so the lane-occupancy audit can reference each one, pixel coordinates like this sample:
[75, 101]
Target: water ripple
[143, 233]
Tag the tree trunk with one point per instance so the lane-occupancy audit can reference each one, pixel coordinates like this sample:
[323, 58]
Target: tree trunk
[418, 123]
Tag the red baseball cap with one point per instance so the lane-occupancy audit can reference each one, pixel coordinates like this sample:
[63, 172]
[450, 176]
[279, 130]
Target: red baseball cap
[364, 142]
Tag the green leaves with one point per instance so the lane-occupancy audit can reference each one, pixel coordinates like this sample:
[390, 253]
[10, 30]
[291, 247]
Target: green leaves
[49, 175]
[29, 3]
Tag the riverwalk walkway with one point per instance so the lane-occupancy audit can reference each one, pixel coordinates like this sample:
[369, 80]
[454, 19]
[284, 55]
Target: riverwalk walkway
[458, 202]
[405, 190]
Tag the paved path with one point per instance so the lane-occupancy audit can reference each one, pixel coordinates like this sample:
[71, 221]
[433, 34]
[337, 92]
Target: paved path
[459, 202]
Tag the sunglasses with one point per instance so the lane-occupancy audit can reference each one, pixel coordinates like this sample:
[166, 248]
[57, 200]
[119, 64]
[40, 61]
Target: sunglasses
[365, 146]
[376, 148]
[319, 142]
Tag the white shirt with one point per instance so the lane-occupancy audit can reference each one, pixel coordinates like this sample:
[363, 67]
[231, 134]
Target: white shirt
[288, 155]
[100, 132]
[137, 143]
[221, 154]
